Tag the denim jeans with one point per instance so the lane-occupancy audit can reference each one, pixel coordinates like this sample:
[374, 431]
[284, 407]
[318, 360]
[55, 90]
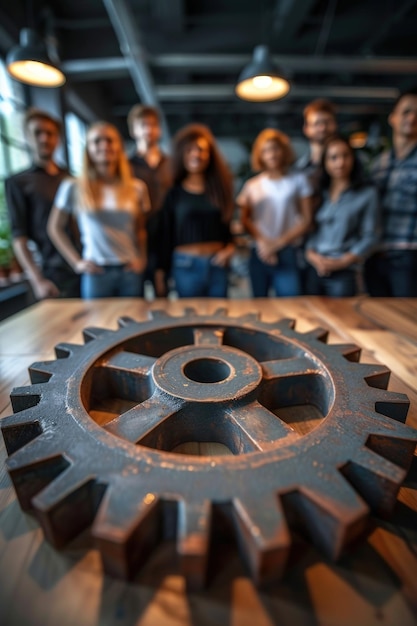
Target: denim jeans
[392, 274]
[112, 281]
[283, 277]
[66, 280]
[196, 276]
[340, 284]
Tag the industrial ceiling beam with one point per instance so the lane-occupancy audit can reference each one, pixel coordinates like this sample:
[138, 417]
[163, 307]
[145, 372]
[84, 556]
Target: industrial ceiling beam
[114, 67]
[289, 15]
[123, 22]
[216, 108]
[388, 26]
[220, 92]
[171, 14]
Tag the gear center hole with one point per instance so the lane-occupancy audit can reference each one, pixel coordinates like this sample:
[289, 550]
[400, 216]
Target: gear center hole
[207, 370]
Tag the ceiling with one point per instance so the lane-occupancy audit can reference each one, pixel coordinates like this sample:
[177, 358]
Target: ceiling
[185, 56]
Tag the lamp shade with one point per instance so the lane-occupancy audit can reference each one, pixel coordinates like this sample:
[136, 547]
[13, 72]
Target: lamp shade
[29, 62]
[261, 81]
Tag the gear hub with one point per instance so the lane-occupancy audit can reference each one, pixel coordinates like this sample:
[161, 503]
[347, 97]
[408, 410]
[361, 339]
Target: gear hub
[315, 441]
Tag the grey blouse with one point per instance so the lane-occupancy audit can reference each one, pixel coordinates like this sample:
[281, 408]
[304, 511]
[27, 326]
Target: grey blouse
[351, 224]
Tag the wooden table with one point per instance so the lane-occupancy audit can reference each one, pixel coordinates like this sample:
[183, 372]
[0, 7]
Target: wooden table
[376, 584]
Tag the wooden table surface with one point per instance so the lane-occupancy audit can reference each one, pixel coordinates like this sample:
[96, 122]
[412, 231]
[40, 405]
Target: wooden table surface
[375, 584]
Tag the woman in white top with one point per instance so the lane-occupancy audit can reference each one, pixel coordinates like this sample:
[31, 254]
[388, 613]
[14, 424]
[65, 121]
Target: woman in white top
[276, 210]
[109, 206]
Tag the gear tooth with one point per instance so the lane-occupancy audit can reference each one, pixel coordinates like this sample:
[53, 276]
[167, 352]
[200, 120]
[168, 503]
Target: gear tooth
[393, 405]
[64, 350]
[331, 512]
[41, 371]
[250, 317]
[321, 334]
[378, 424]
[194, 521]
[26, 397]
[350, 351]
[125, 320]
[157, 314]
[399, 451]
[374, 375]
[91, 333]
[221, 312]
[285, 323]
[376, 479]
[67, 505]
[19, 429]
[126, 531]
[36, 451]
[32, 467]
[263, 536]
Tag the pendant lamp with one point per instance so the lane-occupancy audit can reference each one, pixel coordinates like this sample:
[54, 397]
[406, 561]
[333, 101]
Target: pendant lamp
[29, 62]
[260, 81]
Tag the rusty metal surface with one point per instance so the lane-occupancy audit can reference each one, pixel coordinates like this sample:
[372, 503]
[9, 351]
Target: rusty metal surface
[93, 441]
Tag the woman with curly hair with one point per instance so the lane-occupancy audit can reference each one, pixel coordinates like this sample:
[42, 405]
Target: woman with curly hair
[276, 210]
[109, 207]
[195, 239]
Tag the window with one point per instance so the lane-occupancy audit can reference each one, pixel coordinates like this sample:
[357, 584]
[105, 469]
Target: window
[14, 155]
[75, 130]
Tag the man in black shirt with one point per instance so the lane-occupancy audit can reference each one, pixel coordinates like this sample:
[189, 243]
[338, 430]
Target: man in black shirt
[152, 166]
[319, 125]
[29, 196]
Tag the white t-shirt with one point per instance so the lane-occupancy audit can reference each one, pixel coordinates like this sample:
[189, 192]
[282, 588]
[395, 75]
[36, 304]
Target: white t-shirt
[274, 202]
[108, 234]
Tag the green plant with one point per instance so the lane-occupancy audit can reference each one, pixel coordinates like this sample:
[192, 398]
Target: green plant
[6, 250]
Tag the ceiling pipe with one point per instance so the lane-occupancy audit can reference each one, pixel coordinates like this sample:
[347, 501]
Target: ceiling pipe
[85, 69]
[123, 22]
[222, 91]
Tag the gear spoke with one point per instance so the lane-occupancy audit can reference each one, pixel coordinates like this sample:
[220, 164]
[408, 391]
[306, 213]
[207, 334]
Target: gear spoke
[208, 336]
[295, 381]
[296, 366]
[122, 362]
[259, 429]
[137, 424]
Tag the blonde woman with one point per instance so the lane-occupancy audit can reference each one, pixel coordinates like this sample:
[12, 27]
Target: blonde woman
[109, 206]
[276, 210]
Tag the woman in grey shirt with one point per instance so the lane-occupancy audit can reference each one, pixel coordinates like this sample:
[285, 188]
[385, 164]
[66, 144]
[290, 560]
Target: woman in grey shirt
[109, 206]
[346, 224]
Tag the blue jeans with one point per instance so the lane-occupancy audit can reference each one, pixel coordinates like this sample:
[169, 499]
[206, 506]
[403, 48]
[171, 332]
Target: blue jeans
[65, 279]
[112, 281]
[283, 277]
[196, 276]
[340, 284]
[392, 274]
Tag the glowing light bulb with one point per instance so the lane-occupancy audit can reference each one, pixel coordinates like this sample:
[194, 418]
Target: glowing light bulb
[262, 82]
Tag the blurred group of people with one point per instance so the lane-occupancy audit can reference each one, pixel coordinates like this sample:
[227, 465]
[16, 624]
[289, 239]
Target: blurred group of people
[319, 226]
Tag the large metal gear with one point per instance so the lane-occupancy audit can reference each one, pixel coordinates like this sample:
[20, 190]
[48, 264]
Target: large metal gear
[92, 441]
